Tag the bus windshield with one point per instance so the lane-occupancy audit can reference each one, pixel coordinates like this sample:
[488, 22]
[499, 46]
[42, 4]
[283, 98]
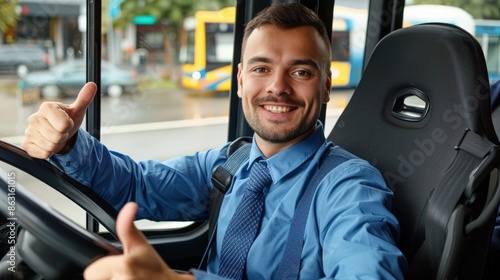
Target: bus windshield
[219, 43]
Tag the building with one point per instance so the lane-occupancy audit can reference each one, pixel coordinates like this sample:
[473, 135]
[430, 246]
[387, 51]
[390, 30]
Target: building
[59, 27]
[51, 24]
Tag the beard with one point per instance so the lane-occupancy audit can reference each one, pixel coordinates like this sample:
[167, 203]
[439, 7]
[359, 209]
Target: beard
[279, 135]
[281, 131]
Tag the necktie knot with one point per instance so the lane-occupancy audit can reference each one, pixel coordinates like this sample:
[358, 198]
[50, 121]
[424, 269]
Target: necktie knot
[259, 177]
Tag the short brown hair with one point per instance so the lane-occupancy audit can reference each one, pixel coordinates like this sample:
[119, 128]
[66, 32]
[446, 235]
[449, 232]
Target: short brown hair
[288, 16]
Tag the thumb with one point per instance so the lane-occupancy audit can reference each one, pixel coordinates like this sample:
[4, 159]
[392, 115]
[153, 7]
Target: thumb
[85, 96]
[128, 234]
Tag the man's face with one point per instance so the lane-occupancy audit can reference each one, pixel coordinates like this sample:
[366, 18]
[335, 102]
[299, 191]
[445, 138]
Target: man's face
[281, 83]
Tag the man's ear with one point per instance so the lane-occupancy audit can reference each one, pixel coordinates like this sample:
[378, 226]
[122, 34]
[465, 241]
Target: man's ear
[240, 82]
[328, 86]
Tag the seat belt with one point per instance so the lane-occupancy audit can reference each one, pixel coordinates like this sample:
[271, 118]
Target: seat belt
[222, 177]
[455, 185]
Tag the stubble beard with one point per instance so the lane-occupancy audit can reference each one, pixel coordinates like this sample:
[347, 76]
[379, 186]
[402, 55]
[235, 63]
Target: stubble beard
[277, 134]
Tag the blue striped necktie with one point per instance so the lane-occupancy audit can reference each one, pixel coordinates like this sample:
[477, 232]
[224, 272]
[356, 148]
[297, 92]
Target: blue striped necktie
[242, 228]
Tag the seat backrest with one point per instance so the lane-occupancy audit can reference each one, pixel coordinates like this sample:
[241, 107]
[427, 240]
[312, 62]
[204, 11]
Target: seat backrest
[421, 115]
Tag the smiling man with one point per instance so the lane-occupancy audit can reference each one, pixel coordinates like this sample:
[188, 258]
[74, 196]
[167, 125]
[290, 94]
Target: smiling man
[283, 86]
[283, 80]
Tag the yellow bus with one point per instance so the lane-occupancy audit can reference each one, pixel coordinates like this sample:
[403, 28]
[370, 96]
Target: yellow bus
[207, 49]
[348, 46]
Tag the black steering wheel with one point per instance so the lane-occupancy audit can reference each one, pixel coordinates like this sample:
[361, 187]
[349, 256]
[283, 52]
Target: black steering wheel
[52, 245]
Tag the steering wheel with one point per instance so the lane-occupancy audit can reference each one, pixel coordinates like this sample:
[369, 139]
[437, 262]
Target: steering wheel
[52, 245]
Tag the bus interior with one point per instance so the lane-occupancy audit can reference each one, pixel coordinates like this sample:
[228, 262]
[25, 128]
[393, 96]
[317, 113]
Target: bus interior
[404, 97]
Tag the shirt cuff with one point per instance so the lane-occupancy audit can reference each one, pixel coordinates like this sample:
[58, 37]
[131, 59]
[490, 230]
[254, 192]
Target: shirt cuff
[73, 160]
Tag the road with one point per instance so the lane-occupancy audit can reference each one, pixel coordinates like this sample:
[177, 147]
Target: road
[147, 105]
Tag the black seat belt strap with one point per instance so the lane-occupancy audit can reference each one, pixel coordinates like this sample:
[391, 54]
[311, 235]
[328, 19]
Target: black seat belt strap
[222, 177]
[457, 186]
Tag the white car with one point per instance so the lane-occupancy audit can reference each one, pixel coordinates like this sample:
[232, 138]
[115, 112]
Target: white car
[67, 78]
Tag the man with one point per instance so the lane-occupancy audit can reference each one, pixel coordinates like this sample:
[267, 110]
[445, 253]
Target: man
[283, 80]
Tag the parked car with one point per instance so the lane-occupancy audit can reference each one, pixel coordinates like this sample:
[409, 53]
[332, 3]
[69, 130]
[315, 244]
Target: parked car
[22, 59]
[67, 78]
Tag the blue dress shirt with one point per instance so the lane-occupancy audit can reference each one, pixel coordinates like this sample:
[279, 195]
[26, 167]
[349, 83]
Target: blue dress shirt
[350, 231]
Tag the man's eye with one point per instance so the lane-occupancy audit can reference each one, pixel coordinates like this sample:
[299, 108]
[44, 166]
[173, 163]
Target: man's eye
[260, 70]
[301, 73]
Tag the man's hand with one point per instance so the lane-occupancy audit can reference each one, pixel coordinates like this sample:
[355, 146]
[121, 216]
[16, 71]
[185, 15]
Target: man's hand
[139, 259]
[50, 128]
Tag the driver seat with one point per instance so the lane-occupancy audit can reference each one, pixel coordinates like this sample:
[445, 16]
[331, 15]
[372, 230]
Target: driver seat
[421, 115]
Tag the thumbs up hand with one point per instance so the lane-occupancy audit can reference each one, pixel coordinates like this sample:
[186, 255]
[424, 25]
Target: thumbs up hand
[139, 259]
[55, 123]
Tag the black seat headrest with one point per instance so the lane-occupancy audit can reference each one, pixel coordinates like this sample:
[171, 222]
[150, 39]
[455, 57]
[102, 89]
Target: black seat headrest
[423, 88]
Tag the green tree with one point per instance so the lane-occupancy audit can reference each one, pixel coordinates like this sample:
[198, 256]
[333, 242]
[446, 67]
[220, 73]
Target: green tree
[171, 12]
[479, 9]
[8, 15]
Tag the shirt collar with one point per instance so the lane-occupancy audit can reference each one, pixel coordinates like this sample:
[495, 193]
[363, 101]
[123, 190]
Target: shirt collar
[287, 160]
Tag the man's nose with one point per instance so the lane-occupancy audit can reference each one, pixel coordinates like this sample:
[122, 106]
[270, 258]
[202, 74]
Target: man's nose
[278, 83]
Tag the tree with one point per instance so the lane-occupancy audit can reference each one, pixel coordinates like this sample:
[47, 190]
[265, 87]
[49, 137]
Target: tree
[8, 15]
[169, 14]
[479, 9]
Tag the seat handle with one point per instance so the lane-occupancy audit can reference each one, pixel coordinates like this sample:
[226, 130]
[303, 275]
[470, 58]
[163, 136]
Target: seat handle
[410, 104]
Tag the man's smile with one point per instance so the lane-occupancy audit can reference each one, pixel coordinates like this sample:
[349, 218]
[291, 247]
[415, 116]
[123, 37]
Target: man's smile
[278, 109]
